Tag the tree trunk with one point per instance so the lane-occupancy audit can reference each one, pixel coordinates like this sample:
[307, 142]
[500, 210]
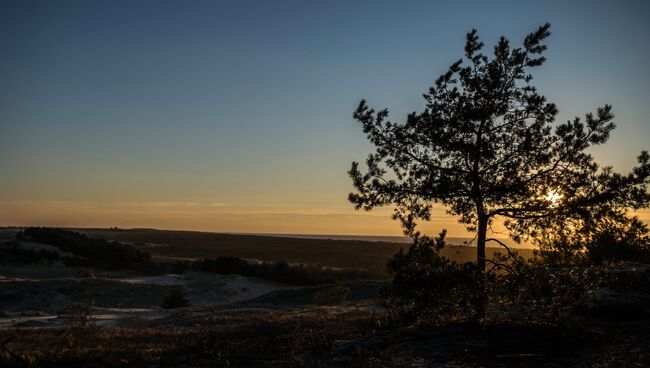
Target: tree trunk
[480, 242]
[481, 298]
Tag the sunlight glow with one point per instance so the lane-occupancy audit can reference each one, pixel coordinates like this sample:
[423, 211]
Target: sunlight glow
[554, 197]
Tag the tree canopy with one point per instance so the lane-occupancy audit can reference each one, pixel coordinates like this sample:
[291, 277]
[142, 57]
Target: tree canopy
[486, 145]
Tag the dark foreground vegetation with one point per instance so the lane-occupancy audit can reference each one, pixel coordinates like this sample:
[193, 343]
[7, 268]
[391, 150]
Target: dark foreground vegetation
[428, 289]
[317, 337]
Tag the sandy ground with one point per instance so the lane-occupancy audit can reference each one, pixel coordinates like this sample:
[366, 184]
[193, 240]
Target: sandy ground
[40, 246]
[44, 296]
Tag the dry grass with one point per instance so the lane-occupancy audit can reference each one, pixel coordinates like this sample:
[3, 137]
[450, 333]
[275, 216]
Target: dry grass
[323, 337]
[238, 338]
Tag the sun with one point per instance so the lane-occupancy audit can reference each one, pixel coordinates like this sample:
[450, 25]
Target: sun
[554, 197]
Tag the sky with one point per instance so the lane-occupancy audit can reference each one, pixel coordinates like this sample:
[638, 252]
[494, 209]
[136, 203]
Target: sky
[236, 116]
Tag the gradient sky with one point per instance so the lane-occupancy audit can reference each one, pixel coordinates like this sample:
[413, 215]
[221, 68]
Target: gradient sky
[236, 115]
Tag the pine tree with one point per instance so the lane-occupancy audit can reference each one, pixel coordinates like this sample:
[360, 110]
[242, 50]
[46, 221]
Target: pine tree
[487, 146]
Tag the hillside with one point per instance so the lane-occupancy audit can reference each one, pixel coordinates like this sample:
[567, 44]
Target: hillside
[368, 255]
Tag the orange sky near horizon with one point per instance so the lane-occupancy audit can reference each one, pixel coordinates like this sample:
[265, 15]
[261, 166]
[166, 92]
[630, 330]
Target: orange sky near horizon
[222, 217]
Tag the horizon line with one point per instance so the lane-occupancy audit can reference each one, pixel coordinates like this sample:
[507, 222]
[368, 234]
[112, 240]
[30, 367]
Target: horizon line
[404, 239]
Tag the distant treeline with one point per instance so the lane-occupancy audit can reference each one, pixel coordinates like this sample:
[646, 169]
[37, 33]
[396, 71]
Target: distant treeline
[281, 271]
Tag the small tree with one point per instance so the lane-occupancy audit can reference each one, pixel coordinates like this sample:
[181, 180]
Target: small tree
[428, 288]
[484, 147]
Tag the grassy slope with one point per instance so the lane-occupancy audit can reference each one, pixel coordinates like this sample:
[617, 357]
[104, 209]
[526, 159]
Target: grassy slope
[371, 256]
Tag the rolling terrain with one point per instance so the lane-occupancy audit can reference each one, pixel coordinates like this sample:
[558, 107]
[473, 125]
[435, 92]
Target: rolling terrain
[58, 314]
[368, 255]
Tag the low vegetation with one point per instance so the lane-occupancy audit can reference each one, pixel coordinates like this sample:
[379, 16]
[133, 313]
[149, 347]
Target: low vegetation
[283, 272]
[175, 299]
[430, 289]
[322, 337]
[12, 253]
[89, 251]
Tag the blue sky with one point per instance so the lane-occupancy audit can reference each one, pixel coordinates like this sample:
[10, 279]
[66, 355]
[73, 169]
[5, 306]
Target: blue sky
[244, 107]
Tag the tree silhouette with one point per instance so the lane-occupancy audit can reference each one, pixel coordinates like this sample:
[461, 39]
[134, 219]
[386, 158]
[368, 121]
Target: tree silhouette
[485, 147]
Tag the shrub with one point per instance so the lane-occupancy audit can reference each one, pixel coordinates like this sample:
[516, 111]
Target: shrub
[428, 288]
[536, 290]
[82, 313]
[611, 237]
[12, 252]
[90, 251]
[175, 299]
[625, 241]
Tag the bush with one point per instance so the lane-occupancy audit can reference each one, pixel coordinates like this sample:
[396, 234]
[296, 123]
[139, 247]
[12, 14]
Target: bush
[626, 242]
[428, 288]
[611, 237]
[175, 299]
[82, 313]
[12, 252]
[536, 290]
[90, 251]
